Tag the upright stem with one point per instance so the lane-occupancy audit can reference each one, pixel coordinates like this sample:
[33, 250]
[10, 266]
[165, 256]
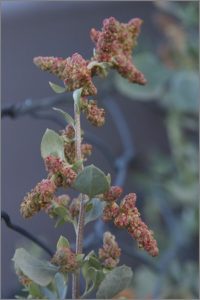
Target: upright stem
[80, 227]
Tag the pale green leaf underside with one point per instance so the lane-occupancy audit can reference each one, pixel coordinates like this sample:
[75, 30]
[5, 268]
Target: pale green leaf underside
[96, 211]
[40, 271]
[57, 88]
[52, 144]
[114, 282]
[66, 116]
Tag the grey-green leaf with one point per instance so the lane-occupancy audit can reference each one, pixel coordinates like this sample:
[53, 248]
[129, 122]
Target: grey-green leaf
[62, 242]
[114, 282]
[52, 144]
[183, 92]
[57, 88]
[66, 116]
[61, 286]
[96, 211]
[91, 181]
[40, 271]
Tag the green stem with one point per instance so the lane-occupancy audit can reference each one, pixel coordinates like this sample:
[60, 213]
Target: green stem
[80, 227]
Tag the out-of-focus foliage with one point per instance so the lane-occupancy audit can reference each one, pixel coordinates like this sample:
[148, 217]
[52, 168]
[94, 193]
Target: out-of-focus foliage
[171, 180]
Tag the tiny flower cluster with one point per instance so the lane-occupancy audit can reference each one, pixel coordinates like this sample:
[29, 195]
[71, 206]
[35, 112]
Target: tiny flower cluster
[23, 279]
[51, 64]
[110, 252]
[114, 45]
[126, 215]
[77, 75]
[39, 198]
[59, 171]
[94, 114]
[72, 70]
[111, 209]
[65, 258]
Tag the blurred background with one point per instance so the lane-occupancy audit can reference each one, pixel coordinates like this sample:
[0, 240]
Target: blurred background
[149, 143]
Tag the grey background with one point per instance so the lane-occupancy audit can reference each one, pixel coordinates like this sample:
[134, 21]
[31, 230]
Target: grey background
[55, 28]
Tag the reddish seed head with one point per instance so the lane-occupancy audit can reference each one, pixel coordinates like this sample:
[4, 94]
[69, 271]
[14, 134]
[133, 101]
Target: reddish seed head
[114, 44]
[113, 194]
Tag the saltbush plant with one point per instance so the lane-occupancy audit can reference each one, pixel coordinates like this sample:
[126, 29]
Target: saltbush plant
[65, 157]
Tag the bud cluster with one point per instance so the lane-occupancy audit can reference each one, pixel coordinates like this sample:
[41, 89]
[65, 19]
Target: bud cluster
[72, 70]
[110, 252]
[113, 194]
[112, 208]
[39, 198]
[77, 75]
[114, 45]
[65, 258]
[23, 279]
[59, 171]
[53, 65]
[126, 215]
[94, 114]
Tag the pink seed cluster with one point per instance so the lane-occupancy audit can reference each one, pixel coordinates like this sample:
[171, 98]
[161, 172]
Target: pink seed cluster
[110, 252]
[51, 64]
[72, 70]
[113, 194]
[39, 198]
[77, 75]
[94, 114]
[65, 258]
[62, 174]
[114, 45]
[126, 215]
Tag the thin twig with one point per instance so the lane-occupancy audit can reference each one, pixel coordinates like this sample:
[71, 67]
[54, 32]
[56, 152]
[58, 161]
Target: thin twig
[25, 233]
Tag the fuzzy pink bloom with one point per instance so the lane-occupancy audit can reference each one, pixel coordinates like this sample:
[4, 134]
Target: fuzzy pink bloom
[128, 203]
[114, 45]
[54, 65]
[72, 70]
[110, 211]
[110, 252]
[94, 114]
[39, 198]
[53, 164]
[59, 171]
[129, 217]
[65, 258]
[113, 194]
[77, 75]
[46, 187]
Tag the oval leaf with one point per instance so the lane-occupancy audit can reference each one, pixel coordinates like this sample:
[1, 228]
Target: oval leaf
[40, 271]
[183, 92]
[91, 181]
[114, 282]
[62, 242]
[96, 211]
[57, 88]
[66, 116]
[52, 144]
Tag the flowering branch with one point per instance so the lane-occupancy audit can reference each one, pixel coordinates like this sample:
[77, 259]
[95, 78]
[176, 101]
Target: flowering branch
[63, 156]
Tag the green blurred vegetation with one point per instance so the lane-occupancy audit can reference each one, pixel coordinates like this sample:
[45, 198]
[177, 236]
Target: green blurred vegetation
[171, 68]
